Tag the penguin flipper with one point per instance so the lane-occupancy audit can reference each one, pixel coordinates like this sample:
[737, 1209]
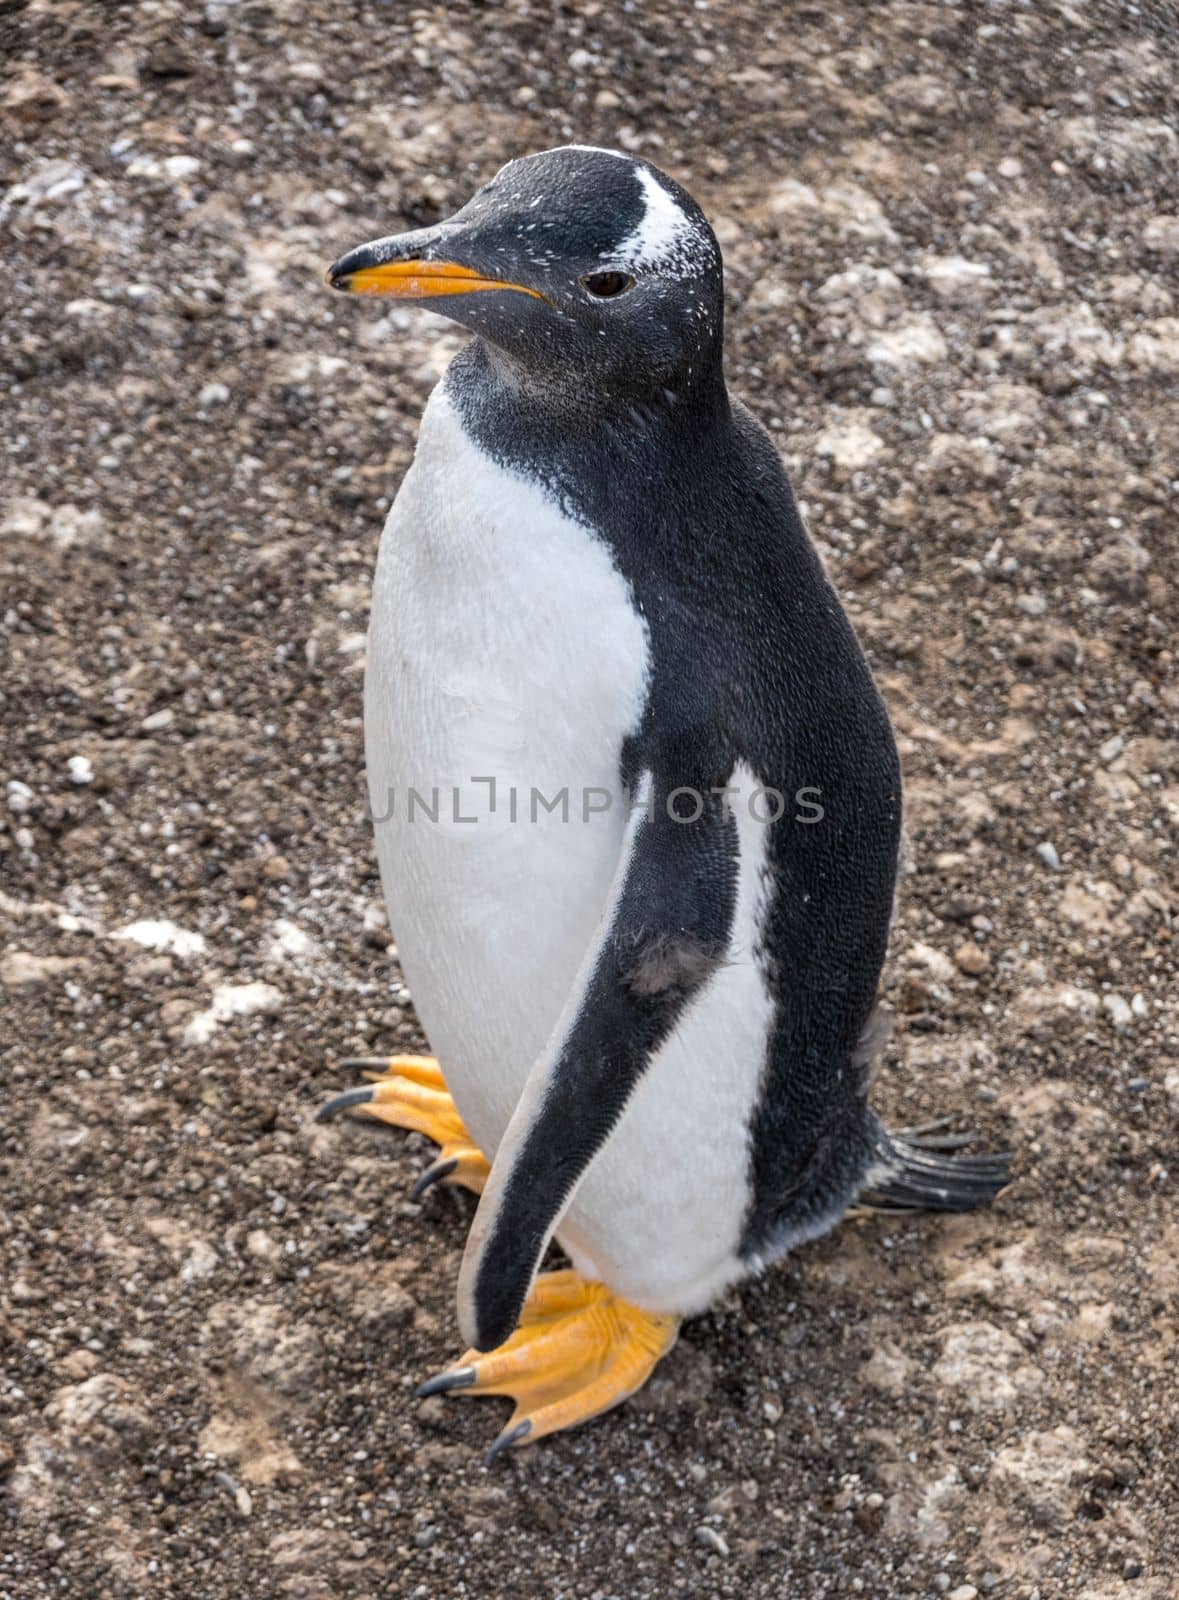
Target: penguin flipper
[921, 1171]
[664, 931]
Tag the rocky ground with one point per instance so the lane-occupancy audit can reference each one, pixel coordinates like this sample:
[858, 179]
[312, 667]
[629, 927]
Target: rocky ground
[951, 234]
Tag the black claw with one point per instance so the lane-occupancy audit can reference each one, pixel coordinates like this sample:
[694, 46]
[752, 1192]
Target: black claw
[432, 1175]
[350, 1097]
[456, 1378]
[364, 1064]
[507, 1439]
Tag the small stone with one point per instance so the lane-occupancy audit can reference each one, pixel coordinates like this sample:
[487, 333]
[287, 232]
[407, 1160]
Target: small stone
[20, 797]
[1118, 1009]
[1046, 851]
[972, 960]
[1010, 167]
[80, 770]
[889, 1370]
[276, 868]
[964, 1591]
[21, 969]
[1131, 1567]
[712, 1540]
[431, 1412]
[261, 1246]
[157, 721]
[213, 394]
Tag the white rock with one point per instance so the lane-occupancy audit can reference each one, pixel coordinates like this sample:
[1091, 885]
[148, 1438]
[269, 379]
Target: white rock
[201, 1027]
[888, 1369]
[246, 1000]
[1042, 1470]
[916, 343]
[849, 444]
[21, 969]
[180, 167]
[987, 1363]
[935, 961]
[1040, 1012]
[163, 935]
[290, 941]
[1118, 1009]
[20, 797]
[157, 721]
[852, 210]
[80, 770]
[954, 275]
[202, 1262]
[860, 280]
[1155, 348]
[48, 180]
[1162, 234]
[233, 1000]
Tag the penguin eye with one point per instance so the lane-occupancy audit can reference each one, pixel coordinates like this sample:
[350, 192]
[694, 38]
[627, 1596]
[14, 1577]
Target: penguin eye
[605, 285]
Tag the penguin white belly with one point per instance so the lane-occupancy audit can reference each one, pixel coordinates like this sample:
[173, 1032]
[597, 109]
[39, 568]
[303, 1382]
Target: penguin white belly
[504, 644]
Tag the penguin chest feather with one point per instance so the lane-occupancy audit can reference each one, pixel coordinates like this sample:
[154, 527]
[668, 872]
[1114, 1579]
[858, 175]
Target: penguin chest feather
[506, 667]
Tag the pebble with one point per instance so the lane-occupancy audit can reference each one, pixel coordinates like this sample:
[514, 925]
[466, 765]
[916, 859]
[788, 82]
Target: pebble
[21, 969]
[710, 1538]
[964, 1591]
[1119, 1010]
[1046, 851]
[431, 1412]
[20, 797]
[80, 770]
[972, 960]
[158, 720]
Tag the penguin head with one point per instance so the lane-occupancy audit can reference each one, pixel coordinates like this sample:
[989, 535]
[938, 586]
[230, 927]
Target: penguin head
[575, 264]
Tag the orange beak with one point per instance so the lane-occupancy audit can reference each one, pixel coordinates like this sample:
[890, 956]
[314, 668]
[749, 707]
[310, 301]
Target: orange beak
[361, 272]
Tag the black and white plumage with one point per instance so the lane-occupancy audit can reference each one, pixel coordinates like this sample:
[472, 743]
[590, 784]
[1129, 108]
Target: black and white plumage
[650, 1012]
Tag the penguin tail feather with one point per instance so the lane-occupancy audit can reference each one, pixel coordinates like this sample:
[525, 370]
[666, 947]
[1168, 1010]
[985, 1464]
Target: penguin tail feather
[923, 1169]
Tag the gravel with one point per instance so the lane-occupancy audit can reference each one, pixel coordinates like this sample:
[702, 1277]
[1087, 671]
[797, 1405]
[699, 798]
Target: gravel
[950, 238]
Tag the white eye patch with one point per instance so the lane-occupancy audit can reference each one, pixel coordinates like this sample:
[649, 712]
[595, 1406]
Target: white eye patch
[667, 239]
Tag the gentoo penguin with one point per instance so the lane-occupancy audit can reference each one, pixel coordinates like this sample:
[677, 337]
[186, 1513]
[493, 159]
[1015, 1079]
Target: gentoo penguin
[636, 797]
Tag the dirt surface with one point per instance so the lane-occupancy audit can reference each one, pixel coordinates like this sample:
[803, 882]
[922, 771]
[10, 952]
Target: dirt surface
[951, 235]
